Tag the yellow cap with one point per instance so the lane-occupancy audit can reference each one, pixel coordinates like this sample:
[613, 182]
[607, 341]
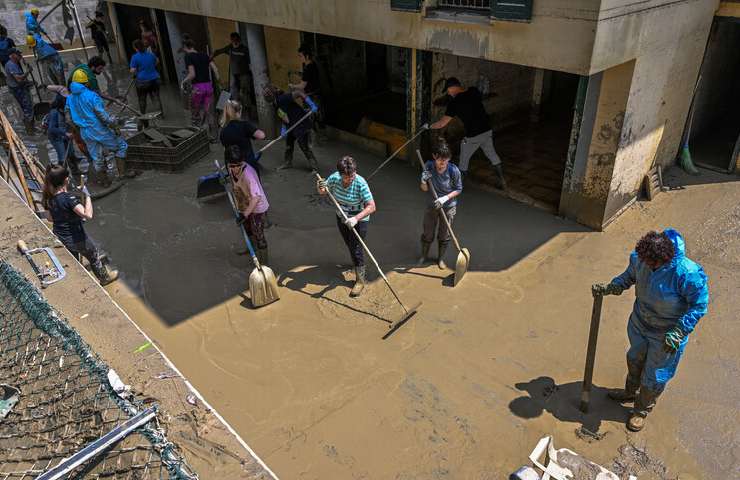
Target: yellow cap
[79, 76]
[35, 11]
[30, 41]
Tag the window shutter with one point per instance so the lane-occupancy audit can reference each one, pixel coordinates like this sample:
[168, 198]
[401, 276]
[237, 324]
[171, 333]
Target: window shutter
[514, 10]
[406, 5]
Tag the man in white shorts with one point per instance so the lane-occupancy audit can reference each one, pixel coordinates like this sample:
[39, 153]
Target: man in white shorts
[467, 105]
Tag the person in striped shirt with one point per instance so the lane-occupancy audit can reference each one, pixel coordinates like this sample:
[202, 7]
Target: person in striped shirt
[354, 197]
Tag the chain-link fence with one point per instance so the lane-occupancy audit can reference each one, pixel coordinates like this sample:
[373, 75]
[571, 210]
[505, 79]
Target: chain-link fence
[56, 399]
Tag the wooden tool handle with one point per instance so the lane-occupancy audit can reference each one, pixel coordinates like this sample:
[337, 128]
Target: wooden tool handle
[22, 246]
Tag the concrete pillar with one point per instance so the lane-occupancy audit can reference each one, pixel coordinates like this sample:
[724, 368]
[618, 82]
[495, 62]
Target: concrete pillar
[418, 97]
[597, 127]
[261, 76]
[538, 90]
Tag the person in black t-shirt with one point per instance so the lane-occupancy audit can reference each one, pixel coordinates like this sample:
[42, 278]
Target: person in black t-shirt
[200, 69]
[240, 71]
[99, 35]
[310, 83]
[291, 110]
[67, 213]
[235, 131]
[467, 105]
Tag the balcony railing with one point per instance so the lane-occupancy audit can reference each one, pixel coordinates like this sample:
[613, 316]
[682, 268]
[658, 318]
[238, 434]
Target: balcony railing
[466, 4]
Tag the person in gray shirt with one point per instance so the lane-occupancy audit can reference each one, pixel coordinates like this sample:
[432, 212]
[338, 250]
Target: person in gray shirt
[447, 182]
[239, 69]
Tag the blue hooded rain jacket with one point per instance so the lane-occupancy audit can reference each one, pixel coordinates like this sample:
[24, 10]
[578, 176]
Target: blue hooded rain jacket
[675, 294]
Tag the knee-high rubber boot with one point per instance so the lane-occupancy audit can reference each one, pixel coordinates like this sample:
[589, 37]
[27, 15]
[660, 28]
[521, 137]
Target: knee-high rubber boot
[124, 172]
[441, 249]
[287, 159]
[262, 256]
[312, 163]
[424, 252]
[359, 285]
[644, 404]
[500, 172]
[627, 394]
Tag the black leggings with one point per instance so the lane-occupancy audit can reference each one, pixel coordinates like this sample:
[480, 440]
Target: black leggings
[353, 245]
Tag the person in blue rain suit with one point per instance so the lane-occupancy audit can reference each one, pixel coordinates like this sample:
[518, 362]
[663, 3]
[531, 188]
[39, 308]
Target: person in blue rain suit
[32, 22]
[99, 131]
[671, 296]
[48, 57]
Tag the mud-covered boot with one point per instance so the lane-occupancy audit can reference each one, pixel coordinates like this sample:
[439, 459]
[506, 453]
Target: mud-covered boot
[441, 249]
[124, 172]
[312, 163]
[102, 180]
[262, 256]
[624, 395]
[287, 160]
[359, 285]
[644, 404]
[500, 172]
[424, 252]
[104, 274]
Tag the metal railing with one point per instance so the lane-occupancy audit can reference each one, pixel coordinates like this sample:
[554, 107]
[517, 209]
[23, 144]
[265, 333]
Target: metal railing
[465, 4]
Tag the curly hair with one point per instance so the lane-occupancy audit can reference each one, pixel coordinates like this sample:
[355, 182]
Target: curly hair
[346, 165]
[655, 247]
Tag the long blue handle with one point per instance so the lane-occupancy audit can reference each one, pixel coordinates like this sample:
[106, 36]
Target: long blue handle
[236, 215]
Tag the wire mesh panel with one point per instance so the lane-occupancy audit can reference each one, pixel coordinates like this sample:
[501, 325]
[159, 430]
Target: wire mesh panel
[471, 4]
[65, 401]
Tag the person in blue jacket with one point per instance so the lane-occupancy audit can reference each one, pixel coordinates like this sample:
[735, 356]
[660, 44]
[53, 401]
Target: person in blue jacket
[47, 56]
[99, 131]
[671, 296]
[32, 22]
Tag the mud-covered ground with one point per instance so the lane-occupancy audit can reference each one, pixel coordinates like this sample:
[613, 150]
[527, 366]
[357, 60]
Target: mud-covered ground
[467, 387]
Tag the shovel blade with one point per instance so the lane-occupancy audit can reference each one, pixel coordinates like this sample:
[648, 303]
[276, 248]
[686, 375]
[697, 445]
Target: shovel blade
[263, 288]
[209, 185]
[461, 266]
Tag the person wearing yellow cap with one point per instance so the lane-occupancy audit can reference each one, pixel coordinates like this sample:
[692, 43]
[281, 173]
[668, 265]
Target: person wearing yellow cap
[47, 56]
[32, 23]
[86, 73]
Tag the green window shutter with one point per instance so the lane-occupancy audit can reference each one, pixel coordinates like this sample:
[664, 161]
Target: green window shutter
[514, 10]
[406, 5]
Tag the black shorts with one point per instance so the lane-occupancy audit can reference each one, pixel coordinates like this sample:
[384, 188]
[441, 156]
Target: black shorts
[150, 87]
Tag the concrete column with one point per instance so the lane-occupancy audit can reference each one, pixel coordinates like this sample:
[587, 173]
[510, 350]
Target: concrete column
[538, 89]
[599, 116]
[261, 76]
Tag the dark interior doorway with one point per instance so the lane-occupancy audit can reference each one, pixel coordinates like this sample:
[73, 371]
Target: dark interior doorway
[714, 122]
[360, 81]
[128, 20]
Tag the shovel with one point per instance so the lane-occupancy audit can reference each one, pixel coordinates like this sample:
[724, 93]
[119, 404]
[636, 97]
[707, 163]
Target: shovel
[463, 256]
[263, 287]
[209, 185]
[407, 312]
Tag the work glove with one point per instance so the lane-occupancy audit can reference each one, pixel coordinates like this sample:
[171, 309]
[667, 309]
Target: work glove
[426, 175]
[673, 338]
[600, 289]
[314, 108]
[424, 127]
[321, 184]
[240, 219]
[351, 222]
[439, 203]
[283, 130]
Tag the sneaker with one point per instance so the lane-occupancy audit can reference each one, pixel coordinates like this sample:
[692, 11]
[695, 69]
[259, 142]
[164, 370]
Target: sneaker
[636, 423]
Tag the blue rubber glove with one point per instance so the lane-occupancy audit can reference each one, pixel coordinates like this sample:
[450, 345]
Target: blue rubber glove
[312, 105]
[673, 339]
[283, 130]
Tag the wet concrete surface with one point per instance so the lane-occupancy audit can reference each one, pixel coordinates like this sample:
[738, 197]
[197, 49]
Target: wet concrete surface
[464, 389]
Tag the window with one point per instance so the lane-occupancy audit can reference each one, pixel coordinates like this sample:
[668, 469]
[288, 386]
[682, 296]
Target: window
[406, 5]
[517, 10]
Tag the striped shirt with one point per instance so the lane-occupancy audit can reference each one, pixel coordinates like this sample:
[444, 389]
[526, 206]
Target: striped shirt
[352, 199]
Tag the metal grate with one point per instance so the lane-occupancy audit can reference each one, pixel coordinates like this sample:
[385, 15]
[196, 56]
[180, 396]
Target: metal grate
[466, 4]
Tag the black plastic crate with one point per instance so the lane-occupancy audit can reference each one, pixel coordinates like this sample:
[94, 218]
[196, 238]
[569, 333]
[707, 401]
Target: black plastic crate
[142, 154]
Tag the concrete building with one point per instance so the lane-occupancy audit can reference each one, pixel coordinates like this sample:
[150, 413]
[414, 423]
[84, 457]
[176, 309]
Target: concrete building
[586, 96]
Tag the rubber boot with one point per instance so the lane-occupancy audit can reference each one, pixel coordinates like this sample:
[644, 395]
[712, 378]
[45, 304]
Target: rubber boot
[626, 394]
[262, 256]
[104, 274]
[424, 252]
[287, 160]
[441, 249]
[644, 404]
[124, 172]
[359, 285]
[500, 172]
[102, 179]
[312, 163]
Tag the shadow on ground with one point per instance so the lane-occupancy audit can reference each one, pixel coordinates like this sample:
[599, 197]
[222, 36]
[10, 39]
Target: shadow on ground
[563, 401]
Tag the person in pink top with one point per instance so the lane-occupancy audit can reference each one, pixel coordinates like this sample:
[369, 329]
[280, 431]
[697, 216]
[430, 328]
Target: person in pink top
[251, 200]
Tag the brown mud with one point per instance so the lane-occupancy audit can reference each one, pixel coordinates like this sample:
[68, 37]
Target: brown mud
[466, 388]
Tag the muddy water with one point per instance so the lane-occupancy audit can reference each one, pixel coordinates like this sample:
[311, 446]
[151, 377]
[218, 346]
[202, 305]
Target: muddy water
[468, 386]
